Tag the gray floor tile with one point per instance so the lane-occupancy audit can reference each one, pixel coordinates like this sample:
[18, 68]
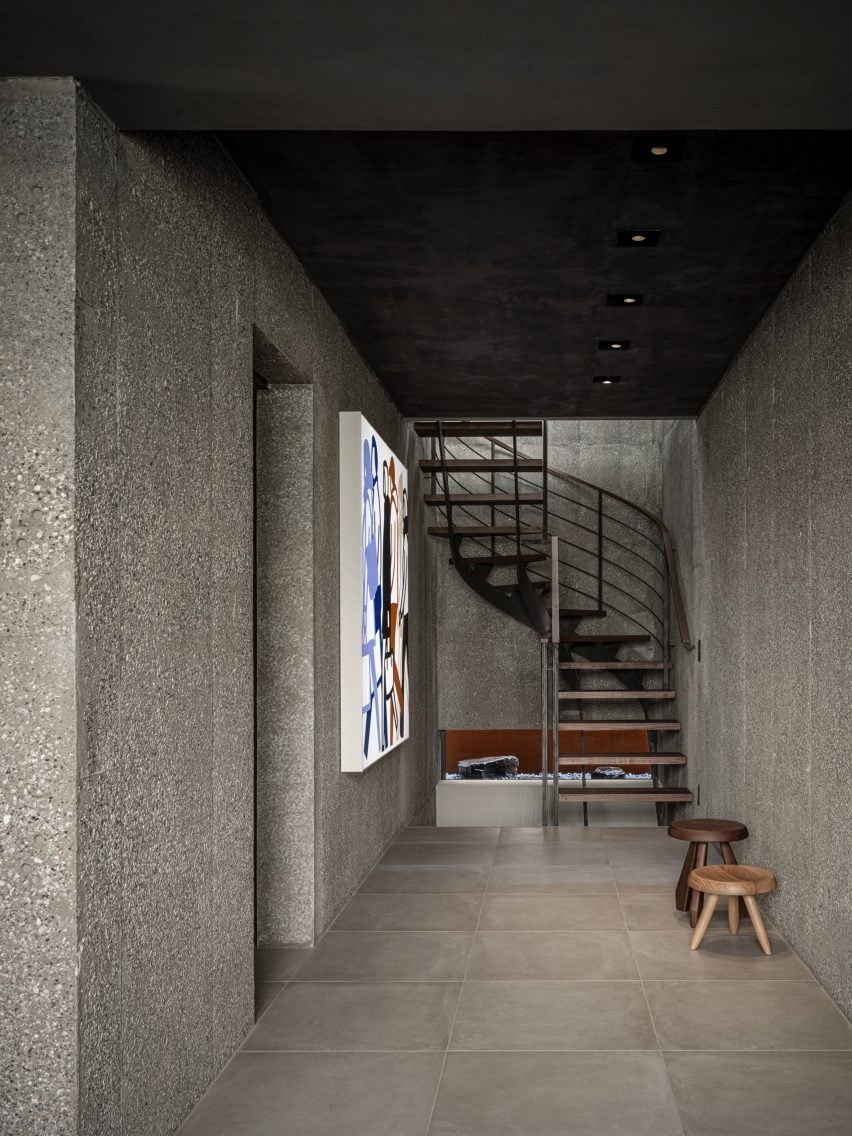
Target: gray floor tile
[746, 1015]
[358, 1016]
[763, 1094]
[466, 855]
[553, 1015]
[388, 956]
[279, 964]
[627, 853]
[443, 878]
[387, 912]
[548, 835]
[551, 913]
[320, 1094]
[568, 852]
[543, 1094]
[652, 833]
[448, 835]
[552, 879]
[659, 874]
[666, 954]
[656, 911]
[264, 994]
[552, 954]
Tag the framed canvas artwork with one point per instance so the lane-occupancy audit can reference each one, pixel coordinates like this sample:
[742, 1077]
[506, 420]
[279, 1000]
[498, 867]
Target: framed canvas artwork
[374, 575]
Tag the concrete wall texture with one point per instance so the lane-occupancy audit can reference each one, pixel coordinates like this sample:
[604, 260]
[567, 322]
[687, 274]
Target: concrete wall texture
[489, 667]
[767, 478]
[153, 252]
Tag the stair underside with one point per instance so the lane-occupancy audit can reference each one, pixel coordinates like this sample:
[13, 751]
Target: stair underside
[484, 499]
[613, 665]
[616, 695]
[575, 760]
[537, 586]
[596, 725]
[465, 428]
[482, 530]
[498, 561]
[582, 613]
[641, 792]
[475, 465]
[605, 638]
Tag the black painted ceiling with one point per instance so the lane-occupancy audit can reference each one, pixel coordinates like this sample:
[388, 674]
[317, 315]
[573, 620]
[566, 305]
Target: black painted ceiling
[472, 269]
[445, 64]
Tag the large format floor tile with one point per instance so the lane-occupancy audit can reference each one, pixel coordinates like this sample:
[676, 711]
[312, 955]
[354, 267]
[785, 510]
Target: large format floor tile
[746, 1015]
[570, 852]
[458, 835]
[666, 954]
[389, 912]
[763, 1094]
[654, 910]
[388, 956]
[553, 1015]
[547, 1094]
[552, 879]
[551, 913]
[279, 964]
[552, 954]
[359, 1016]
[320, 1094]
[464, 855]
[443, 879]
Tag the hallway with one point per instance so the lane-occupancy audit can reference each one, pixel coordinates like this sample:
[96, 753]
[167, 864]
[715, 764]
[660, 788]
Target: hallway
[488, 982]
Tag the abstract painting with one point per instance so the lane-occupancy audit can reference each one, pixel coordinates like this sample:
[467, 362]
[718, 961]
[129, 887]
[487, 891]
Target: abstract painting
[374, 580]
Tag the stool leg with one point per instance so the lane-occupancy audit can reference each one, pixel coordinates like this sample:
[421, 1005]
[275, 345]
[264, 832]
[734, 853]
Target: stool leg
[728, 857]
[704, 922]
[697, 897]
[682, 889]
[733, 914]
[758, 924]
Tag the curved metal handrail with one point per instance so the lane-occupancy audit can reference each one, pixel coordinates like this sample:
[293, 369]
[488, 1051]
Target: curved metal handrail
[665, 535]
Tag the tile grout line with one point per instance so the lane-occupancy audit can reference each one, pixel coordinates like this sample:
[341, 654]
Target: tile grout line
[458, 1003]
[650, 1014]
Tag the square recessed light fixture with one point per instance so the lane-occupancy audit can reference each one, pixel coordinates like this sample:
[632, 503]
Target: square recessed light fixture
[638, 238]
[657, 148]
[607, 380]
[613, 344]
[624, 299]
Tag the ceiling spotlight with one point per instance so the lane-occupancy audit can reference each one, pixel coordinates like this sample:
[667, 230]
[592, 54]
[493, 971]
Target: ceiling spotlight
[607, 380]
[653, 148]
[620, 299]
[638, 238]
[613, 344]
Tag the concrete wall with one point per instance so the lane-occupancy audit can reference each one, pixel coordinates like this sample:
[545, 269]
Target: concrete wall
[771, 470]
[38, 730]
[175, 265]
[489, 667]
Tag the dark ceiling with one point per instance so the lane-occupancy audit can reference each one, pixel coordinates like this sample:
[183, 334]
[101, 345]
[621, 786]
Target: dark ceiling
[472, 269]
[445, 64]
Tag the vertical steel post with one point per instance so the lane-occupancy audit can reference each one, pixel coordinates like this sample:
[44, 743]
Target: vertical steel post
[600, 550]
[555, 636]
[545, 678]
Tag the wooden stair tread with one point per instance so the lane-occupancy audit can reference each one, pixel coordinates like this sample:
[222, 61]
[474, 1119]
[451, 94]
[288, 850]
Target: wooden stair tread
[482, 530]
[605, 638]
[596, 724]
[472, 465]
[471, 428]
[498, 561]
[613, 665]
[572, 760]
[484, 498]
[582, 613]
[622, 793]
[616, 695]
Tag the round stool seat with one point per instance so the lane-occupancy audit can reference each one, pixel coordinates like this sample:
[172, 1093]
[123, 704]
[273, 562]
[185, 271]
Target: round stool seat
[732, 879]
[708, 831]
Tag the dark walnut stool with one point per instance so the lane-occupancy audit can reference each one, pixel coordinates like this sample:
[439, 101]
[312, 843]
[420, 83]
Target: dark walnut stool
[740, 883]
[700, 832]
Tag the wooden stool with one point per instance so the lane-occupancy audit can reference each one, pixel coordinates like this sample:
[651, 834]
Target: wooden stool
[732, 880]
[700, 832]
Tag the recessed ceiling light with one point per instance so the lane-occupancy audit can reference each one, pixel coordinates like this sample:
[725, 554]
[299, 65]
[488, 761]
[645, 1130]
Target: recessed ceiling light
[654, 148]
[613, 344]
[607, 380]
[638, 238]
[620, 299]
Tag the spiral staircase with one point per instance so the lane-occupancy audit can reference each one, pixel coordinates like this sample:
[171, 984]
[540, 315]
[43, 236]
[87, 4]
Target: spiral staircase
[594, 576]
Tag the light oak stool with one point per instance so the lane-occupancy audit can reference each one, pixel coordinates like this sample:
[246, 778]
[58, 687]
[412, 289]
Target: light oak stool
[701, 832]
[734, 881]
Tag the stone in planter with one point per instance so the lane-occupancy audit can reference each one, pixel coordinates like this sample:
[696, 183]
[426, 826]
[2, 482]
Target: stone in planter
[487, 768]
